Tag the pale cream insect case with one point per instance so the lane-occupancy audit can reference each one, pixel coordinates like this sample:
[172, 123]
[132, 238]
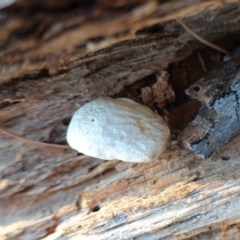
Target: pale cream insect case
[118, 129]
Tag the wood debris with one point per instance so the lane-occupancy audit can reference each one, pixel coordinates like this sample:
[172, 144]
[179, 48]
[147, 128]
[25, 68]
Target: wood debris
[160, 93]
[218, 119]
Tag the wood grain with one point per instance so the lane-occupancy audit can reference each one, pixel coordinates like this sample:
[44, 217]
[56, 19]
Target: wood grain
[52, 65]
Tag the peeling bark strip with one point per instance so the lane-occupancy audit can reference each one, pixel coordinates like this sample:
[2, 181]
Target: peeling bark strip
[218, 119]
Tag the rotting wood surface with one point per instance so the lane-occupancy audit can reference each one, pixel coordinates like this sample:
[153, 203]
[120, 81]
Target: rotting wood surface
[45, 78]
[218, 119]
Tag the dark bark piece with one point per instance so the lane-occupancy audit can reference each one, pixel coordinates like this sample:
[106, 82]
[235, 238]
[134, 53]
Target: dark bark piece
[218, 119]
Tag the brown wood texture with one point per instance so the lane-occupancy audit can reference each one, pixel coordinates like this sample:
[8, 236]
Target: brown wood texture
[52, 61]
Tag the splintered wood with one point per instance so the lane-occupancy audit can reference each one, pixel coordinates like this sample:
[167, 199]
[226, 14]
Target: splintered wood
[160, 93]
[72, 52]
[218, 119]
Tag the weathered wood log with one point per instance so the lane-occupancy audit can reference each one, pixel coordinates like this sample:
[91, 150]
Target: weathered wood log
[218, 119]
[56, 62]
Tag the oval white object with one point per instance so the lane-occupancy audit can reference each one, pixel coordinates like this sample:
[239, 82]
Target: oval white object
[118, 129]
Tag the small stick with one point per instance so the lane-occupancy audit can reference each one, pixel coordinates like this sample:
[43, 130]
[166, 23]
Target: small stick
[202, 62]
[200, 39]
[53, 148]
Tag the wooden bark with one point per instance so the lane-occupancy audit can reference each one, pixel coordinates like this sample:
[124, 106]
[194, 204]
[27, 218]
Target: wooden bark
[56, 62]
[218, 119]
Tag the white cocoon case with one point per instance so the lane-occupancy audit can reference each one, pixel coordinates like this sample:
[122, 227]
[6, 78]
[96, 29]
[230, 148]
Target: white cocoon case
[118, 129]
